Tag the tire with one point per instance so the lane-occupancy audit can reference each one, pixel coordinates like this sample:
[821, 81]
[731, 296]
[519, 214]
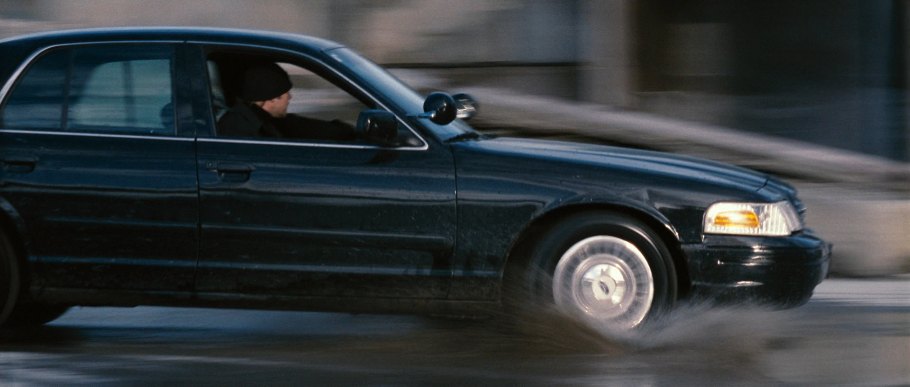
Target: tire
[33, 315]
[14, 313]
[9, 279]
[608, 270]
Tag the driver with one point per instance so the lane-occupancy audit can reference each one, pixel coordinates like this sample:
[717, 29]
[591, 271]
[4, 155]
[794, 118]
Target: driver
[265, 92]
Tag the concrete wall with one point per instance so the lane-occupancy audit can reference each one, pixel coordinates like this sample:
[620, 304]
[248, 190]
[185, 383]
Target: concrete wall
[871, 231]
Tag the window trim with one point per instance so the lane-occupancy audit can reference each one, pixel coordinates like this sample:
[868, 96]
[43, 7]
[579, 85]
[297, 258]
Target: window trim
[208, 47]
[98, 135]
[17, 75]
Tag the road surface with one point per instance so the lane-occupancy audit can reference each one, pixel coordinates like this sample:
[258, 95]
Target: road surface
[853, 332]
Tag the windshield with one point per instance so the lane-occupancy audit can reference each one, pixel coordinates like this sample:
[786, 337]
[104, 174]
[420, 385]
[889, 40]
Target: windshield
[394, 89]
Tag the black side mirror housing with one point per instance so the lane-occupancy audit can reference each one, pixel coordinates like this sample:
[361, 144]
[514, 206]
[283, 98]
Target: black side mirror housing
[378, 126]
[440, 108]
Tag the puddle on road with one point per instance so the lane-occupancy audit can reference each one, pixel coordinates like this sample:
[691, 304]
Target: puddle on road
[717, 328]
[693, 345]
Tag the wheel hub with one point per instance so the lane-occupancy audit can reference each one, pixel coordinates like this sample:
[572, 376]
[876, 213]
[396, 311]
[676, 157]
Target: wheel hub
[605, 283]
[605, 279]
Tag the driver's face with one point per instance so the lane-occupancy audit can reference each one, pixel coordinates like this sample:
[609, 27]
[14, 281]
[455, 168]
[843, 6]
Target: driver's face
[278, 107]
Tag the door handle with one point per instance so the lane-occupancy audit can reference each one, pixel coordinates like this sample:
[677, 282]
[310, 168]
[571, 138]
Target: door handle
[19, 164]
[231, 172]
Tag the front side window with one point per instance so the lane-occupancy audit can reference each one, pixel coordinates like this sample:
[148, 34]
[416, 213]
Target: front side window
[96, 89]
[258, 95]
[263, 96]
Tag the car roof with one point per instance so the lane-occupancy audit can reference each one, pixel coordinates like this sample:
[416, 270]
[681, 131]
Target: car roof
[303, 43]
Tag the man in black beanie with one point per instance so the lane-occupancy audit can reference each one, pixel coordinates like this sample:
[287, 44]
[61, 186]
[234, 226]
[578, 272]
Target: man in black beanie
[265, 91]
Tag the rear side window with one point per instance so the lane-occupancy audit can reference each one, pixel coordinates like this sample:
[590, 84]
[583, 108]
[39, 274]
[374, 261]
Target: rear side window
[37, 100]
[121, 89]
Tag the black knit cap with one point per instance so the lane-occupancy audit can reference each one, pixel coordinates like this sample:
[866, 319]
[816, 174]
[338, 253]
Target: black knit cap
[263, 82]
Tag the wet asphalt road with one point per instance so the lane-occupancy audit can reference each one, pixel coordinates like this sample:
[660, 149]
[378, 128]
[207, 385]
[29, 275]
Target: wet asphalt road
[853, 332]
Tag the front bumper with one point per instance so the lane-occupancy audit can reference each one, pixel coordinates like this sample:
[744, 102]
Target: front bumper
[777, 271]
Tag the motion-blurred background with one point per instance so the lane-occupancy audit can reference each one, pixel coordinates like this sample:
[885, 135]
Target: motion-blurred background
[815, 91]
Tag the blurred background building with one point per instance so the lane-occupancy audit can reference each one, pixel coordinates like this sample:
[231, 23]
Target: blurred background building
[831, 72]
[828, 75]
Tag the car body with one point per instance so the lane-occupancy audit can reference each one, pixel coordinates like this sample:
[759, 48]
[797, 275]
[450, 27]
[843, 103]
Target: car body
[116, 189]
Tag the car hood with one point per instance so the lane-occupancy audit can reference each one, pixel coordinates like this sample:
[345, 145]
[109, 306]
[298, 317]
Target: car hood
[640, 162]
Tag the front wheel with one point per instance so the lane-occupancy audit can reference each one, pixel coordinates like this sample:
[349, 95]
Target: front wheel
[608, 270]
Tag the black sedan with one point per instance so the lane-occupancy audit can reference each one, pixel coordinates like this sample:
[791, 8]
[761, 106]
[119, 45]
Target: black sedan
[120, 187]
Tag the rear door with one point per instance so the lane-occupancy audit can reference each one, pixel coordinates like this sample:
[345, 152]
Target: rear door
[99, 172]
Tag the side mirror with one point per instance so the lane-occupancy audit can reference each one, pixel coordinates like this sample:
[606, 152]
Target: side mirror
[466, 106]
[440, 108]
[378, 126]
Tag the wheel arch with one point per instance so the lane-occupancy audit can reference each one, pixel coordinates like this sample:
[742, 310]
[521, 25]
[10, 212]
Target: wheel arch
[519, 252]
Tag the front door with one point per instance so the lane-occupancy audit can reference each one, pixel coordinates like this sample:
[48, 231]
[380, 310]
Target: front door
[307, 217]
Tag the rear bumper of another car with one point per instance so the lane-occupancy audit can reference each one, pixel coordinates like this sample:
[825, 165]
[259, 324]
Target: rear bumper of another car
[776, 271]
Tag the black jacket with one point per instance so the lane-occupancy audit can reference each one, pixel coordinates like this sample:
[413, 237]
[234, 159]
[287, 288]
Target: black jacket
[248, 120]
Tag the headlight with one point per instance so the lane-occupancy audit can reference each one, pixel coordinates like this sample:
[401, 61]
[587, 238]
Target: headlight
[764, 219]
